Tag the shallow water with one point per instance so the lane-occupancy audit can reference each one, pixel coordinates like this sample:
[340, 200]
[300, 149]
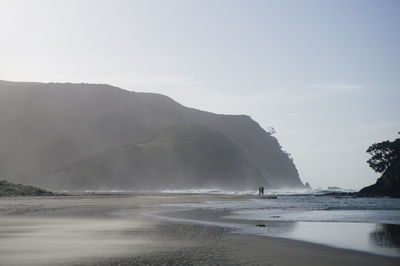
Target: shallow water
[383, 239]
[365, 224]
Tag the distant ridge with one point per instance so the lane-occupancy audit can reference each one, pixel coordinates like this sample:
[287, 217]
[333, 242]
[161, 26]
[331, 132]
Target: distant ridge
[46, 127]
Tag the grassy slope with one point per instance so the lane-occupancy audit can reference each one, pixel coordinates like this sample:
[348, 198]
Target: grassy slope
[10, 189]
[184, 156]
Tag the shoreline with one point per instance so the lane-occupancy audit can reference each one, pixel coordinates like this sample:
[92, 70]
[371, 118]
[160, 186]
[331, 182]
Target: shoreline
[139, 240]
[220, 218]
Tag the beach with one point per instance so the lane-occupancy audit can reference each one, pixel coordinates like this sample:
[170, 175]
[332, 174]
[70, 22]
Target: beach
[148, 229]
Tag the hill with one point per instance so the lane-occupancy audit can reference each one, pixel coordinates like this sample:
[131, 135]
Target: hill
[10, 189]
[179, 157]
[46, 126]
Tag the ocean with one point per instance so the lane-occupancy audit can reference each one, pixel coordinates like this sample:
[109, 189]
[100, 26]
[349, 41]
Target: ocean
[364, 224]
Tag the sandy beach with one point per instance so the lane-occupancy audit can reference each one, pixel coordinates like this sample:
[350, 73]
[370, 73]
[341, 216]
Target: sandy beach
[137, 229]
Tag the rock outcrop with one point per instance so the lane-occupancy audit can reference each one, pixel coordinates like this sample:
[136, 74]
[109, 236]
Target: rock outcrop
[387, 185]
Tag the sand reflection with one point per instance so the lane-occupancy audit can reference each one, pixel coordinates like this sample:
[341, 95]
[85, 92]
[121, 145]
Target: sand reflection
[50, 241]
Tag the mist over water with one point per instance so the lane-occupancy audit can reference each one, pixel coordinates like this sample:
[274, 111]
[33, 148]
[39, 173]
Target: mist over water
[292, 191]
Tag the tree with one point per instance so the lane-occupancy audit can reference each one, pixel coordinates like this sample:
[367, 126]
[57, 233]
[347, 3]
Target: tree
[383, 154]
[271, 130]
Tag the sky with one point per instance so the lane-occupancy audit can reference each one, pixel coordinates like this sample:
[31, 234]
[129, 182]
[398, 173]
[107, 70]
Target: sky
[325, 74]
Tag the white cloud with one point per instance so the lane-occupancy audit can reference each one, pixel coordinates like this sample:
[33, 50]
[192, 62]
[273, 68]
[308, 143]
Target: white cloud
[339, 87]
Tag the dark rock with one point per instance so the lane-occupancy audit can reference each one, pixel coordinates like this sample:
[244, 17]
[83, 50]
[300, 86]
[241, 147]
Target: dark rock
[387, 185]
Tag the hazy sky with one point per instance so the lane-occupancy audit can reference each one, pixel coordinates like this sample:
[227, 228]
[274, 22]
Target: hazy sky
[324, 74]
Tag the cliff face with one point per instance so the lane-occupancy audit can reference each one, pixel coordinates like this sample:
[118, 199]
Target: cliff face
[262, 149]
[45, 127]
[387, 185]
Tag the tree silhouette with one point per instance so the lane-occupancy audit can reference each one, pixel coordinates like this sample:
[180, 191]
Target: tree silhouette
[271, 130]
[383, 154]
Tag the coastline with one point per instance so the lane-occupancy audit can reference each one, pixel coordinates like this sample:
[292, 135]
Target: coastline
[341, 235]
[116, 226]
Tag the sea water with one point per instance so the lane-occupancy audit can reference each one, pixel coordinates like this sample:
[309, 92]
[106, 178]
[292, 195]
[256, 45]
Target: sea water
[364, 224]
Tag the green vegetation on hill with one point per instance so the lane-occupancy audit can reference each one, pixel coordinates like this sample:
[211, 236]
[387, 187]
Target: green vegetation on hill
[160, 143]
[385, 158]
[383, 154]
[178, 157]
[10, 189]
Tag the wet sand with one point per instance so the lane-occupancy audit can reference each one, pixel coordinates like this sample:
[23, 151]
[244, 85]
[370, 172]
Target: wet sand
[111, 230]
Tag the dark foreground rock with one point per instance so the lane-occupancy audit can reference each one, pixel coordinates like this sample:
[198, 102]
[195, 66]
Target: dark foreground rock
[10, 189]
[387, 185]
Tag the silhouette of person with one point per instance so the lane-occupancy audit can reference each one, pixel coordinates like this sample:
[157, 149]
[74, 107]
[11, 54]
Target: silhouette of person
[262, 190]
